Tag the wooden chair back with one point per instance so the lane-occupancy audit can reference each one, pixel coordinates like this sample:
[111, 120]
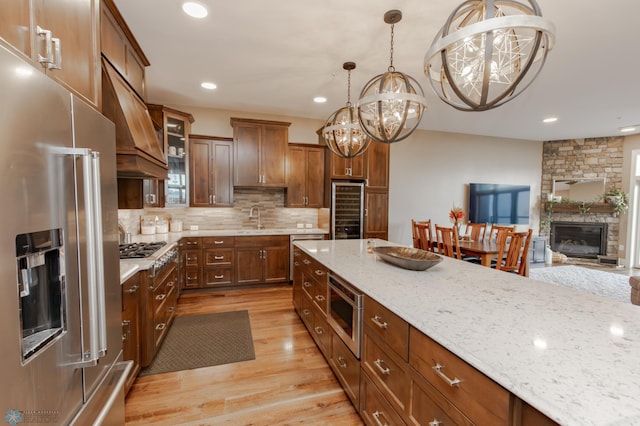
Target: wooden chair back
[476, 231]
[499, 232]
[425, 236]
[513, 257]
[447, 242]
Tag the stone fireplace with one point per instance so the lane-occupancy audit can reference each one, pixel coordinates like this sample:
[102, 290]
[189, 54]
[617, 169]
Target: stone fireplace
[583, 159]
[579, 239]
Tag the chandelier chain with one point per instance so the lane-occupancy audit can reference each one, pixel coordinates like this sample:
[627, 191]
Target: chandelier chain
[349, 88]
[391, 67]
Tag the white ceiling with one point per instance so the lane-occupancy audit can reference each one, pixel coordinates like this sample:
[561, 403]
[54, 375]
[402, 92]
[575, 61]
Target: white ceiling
[275, 56]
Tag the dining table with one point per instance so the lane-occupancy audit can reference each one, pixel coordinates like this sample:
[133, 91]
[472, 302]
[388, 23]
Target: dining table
[485, 250]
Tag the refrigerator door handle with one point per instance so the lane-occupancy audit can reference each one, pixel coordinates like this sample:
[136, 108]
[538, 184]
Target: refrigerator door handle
[99, 259]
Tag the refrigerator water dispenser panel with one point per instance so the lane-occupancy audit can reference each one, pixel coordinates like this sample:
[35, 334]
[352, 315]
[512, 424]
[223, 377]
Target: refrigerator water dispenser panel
[40, 279]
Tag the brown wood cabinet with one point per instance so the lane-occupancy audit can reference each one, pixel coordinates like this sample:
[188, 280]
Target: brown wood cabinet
[218, 256]
[211, 171]
[262, 259]
[173, 128]
[191, 260]
[347, 168]
[120, 47]
[305, 176]
[60, 38]
[376, 217]
[260, 152]
[377, 173]
[131, 326]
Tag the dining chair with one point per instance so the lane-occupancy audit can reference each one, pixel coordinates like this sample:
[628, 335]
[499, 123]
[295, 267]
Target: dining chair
[447, 241]
[476, 231]
[498, 232]
[512, 257]
[425, 236]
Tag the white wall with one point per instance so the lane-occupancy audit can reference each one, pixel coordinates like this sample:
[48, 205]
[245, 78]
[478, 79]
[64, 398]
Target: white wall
[430, 173]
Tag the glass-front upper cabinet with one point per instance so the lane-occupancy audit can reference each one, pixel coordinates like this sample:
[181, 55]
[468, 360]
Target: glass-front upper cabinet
[175, 126]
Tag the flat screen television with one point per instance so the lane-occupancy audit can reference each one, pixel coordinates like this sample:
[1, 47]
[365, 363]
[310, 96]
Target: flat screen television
[499, 203]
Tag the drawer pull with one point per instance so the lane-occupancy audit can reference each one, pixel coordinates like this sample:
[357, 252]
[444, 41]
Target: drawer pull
[161, 296]
[218, 277]
[319, 272]
[435, 422]
[306, 262]
[320, 298]
[378, 363]
[218, 242]
[341, 362]
[296, 263]
[133, 289]
[376, 320]
[192, 278]
[438, 369]
[306, 312]
[307, 284]
[218, 257]
[170, 284]
[319, 331]
[160, 326]
[376, 416]
[171, 309]
[195, 243]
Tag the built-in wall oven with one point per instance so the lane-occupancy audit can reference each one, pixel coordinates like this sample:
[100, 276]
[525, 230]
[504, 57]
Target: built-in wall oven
[345, 313]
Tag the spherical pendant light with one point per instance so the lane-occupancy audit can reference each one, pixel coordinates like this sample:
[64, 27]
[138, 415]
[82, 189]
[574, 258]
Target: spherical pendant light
[342, 132]
[488, 52]
[391, 104]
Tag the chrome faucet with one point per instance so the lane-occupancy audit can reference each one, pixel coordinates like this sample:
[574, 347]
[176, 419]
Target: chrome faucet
[251, 215]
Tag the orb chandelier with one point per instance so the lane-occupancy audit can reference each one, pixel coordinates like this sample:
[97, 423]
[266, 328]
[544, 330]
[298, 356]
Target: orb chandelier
[488, 52]
[391, 104]
[342, 132]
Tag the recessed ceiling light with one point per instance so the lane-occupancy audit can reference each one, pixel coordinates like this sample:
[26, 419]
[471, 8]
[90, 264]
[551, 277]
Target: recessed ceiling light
[550, 120]
[628, 129]
[195, 10]
[209, 86]
[319, 99]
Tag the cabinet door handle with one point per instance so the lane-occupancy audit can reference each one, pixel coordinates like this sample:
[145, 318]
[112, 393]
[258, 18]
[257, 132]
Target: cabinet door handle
[341, 362]
[319, 272]
[306, 284]
[160, 326]
[214, 199]
[320, 298]
[48, 54]
[126, 329]
[133, 289]
[161, 296]
[376, 416]
[218, 277]
[451, 382]
[210, 199]
[376, 320]
[218, 257]
[435, 422]
[306, 262]
[171, 309]
[218, 242]
[319, 331]
[306, 312]
[170, 284]
[378, 363]
[57, 54]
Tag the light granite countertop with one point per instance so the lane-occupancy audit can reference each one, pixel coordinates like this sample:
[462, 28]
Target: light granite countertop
[128, 267]
[572, 355]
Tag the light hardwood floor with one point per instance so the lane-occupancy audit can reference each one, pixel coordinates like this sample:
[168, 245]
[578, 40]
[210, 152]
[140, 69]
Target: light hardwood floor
[288, 383]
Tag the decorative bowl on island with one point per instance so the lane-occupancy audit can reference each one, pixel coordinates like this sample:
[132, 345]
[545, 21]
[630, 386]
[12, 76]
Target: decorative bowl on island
[408, 257]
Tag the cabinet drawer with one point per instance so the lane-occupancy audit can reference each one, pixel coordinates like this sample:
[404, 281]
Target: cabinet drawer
[192, 242]
[192, 278]
[387, 371]
[306, 312]
[220, 257]
[373, 408]
[213, 277]
[476, 395]
[263, 241]
[321, 333]
[215, 242]
[428, 405]
[316, 291]
[347, 368]
[192, 258]
[387, 326]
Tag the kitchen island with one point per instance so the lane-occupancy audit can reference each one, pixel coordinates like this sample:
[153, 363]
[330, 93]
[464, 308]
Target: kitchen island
[573, 356]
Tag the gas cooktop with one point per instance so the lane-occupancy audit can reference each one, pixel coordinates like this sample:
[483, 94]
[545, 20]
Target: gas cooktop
[139, 250]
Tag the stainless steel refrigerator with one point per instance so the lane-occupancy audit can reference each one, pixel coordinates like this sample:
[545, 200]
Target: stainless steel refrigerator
[60, 296]
[347, 210]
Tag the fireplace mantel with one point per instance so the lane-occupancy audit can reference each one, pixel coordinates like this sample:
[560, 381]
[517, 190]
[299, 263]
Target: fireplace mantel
[575, 207]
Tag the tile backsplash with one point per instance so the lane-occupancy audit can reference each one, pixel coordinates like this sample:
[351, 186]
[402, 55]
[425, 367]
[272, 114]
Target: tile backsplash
[273, 214]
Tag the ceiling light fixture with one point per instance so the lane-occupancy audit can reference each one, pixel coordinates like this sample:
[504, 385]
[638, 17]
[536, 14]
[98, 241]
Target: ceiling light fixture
[194, 9]
[319, 99]
[391, 104]
[550, 120]
[342, 132]
[628, 129]
[484, 51]
[208, 85]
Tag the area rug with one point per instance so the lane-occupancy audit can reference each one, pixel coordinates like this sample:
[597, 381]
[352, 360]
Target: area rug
[600, 283]
[197, 341]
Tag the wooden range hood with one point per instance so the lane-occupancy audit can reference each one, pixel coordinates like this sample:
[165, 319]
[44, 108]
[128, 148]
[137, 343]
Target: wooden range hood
[139, 153]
